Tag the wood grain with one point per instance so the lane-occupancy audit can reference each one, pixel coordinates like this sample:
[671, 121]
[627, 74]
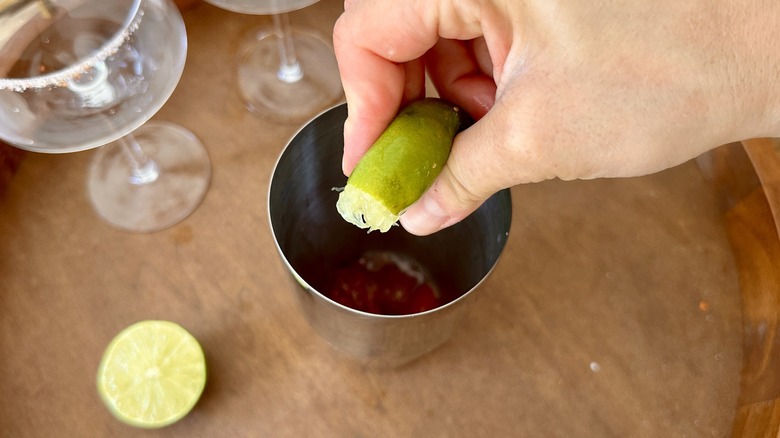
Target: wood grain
[752, 224]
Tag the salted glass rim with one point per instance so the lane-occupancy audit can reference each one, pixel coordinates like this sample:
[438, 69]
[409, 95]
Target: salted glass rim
[59, 78]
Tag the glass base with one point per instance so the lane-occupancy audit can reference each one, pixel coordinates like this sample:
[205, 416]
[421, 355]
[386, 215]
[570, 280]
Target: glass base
[160, 199]
[273, 93]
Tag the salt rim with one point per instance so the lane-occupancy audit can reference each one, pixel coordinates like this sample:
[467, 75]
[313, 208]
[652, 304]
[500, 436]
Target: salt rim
[60, 78]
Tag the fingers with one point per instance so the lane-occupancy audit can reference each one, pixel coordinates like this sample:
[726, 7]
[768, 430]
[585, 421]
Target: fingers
[370, 111]
[378, 44]
[374, 61]
[470, 175]
[379, 47]
[462, 74]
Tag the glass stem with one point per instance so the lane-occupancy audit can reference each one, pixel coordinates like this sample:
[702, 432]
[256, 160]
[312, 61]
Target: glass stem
[144, 169]
[289, 69]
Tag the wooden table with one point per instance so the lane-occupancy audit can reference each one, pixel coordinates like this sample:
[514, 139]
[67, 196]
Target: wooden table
[614, 311]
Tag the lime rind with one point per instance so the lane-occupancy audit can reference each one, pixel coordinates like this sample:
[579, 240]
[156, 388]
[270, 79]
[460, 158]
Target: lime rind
[364, 211]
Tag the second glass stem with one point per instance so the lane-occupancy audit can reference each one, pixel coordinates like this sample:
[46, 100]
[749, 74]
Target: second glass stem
[144, 169]
[289, 69]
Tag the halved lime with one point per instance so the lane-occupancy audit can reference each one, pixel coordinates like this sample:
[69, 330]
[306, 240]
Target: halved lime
[152, 374]
[401, 165]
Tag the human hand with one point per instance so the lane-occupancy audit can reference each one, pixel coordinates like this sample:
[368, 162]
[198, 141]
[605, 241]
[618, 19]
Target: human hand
[570, 90]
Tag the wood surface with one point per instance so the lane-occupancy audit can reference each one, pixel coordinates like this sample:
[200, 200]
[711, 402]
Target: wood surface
[10, 159]
[753, 223]
[615, 310]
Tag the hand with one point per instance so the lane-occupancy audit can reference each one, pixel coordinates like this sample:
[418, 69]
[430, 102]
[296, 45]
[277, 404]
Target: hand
[577, 89]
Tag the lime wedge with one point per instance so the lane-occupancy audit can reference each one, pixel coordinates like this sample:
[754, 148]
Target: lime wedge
[401, 165]
[152, 374]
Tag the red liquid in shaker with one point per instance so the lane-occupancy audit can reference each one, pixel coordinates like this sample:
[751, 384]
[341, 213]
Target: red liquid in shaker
[385, 283]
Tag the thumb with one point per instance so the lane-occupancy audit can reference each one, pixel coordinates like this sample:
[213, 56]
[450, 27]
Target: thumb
[472, 174]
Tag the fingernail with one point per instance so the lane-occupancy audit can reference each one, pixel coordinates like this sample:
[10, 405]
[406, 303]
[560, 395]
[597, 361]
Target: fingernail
[425, 216]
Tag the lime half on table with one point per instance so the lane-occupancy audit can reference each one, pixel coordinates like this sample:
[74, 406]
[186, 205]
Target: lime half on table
[152, 374]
